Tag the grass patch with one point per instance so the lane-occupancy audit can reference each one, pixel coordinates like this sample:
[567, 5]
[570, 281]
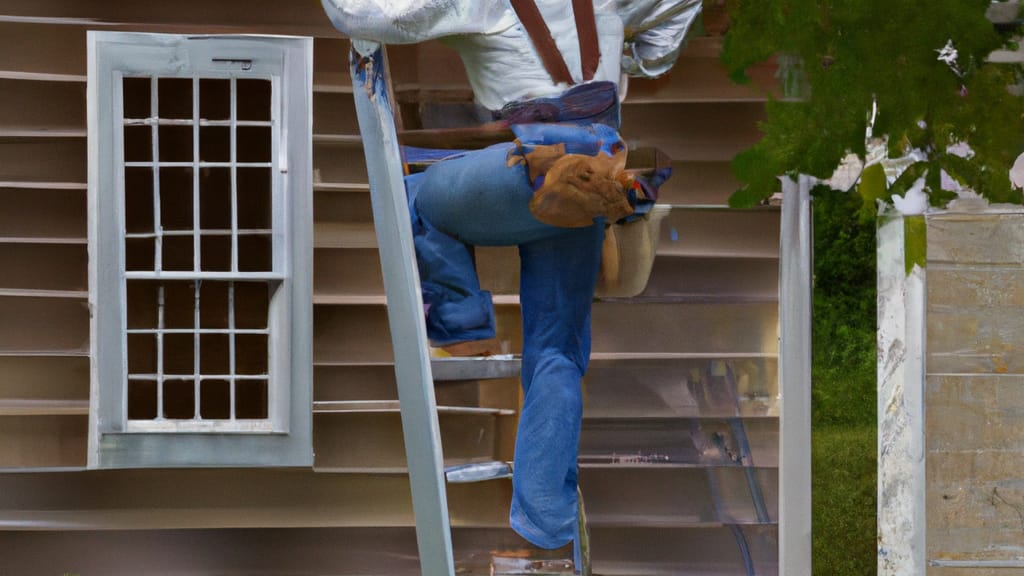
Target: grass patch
[844, 393]
[844, 500]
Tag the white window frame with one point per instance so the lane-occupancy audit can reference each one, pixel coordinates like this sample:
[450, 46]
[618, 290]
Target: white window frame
[284, 437]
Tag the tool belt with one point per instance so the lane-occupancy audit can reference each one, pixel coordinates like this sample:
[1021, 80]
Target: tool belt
[590, 103]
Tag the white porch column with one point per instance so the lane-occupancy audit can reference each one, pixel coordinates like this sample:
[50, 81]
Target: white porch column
[901, 432]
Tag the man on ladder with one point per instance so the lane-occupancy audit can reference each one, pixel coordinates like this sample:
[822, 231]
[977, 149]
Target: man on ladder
[549, 70]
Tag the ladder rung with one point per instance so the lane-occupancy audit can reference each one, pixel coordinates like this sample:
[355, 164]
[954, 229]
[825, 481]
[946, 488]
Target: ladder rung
[476, 368]
[478, 472]
[392, 406]
[512, 566]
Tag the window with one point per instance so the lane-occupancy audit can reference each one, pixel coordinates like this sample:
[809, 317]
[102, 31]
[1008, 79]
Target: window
[200, 250]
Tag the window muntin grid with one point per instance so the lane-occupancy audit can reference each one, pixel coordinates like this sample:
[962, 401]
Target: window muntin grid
[200, 265]
[285, 438]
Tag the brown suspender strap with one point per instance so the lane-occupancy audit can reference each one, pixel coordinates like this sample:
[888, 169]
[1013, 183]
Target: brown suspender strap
[586, 30]
[540, 35]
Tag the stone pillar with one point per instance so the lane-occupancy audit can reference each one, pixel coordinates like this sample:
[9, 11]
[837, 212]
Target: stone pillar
[951, 393]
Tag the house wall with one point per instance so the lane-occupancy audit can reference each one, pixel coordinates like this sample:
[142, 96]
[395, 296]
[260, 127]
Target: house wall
[352, 512]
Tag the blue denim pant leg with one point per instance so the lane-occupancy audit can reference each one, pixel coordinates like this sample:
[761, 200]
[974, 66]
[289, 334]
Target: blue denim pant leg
[476, 199]
[557, 286]
[456, 308]
[479, 199]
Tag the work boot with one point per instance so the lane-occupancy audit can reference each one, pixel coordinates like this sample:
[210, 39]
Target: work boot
[534, 561]
[468, 348]
[581, 545]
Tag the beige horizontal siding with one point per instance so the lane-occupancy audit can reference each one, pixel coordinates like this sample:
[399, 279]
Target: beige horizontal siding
[696, 115]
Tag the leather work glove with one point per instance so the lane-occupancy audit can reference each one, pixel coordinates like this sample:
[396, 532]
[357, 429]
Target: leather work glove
[579, 188]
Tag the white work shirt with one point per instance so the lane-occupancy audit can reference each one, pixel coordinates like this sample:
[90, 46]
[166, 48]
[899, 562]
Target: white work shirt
[500, 60]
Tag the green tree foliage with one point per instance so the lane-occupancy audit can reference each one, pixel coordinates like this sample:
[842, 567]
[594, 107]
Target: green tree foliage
[845, 54]
[843, 367]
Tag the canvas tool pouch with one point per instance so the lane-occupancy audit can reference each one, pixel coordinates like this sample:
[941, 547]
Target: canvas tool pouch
[630, 243]
[628, 254]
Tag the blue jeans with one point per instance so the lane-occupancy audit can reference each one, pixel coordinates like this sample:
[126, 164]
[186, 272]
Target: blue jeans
[477, 199]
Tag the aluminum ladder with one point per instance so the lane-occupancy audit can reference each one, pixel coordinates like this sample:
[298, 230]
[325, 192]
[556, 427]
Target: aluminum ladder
[415, 371]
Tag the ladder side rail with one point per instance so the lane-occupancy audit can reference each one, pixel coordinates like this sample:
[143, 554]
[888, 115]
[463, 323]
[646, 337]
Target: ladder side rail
[405, 308]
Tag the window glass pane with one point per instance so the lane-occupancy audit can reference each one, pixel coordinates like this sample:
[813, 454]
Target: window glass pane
[216, 253]
[180, 399]
[179, 354]
[251, 399]
[176, 198]
[139, 254]
[253, 99]
[137, 97]
[138, 200]
[214, 99]
[213, 304]
[175, 143]
[251, 354]
[254, 253]
[175, 95]
[254, 198]
[252, 301]
[142, 399]
[215, 399]
[253, 144]
[138, 144]
[214, 354]
[142, 304]
[215, 198]
[141, 354]
[177, 253]
[215, 143]
[179, 304]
